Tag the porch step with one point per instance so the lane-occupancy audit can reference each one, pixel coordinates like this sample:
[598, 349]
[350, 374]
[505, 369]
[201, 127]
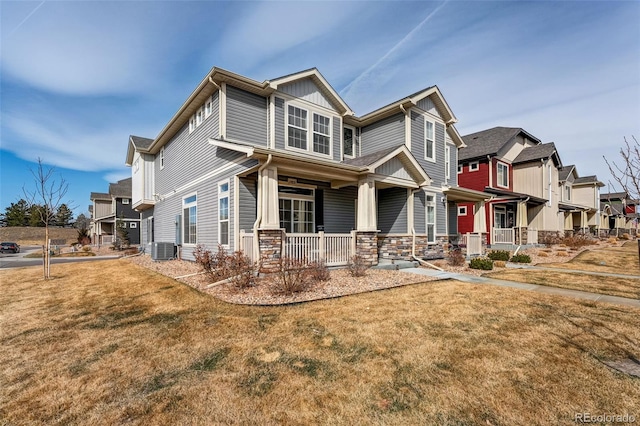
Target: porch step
[394, 265]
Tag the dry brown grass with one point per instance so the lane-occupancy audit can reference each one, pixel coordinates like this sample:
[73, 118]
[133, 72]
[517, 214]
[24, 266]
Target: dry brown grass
[119, 344]
[617, 260]
[34, 236]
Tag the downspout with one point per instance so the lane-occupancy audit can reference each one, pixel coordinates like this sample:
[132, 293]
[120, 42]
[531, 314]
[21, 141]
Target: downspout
[256, 224]
[214, 83]
[489, 163]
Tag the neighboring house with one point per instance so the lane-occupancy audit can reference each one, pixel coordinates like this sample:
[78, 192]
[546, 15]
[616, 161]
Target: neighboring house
[618, 213]
[521, 174]
[285, 167]
[580, 201]
[109, 207]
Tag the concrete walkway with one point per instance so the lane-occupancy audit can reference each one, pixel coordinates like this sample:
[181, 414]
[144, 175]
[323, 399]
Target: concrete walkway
[573, 271]
[443, 275]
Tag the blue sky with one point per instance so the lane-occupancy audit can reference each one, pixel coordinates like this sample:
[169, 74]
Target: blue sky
[77, 78]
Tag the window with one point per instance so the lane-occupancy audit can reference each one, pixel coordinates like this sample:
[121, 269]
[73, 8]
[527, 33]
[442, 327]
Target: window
[192, 123]
[296, 209]
[348, 142]
[500, 217]
[503, 174]
[321, 135]
[208, 107]
[447, 161]
[133, 225]
[223, 213]
[298, 131]
[150, 235]
[162, 158]
[199, 116]
[429, 142]
[431, 218]
[189, 219]
[462, 210]
[459, 168]
[125, 201]
[475, 166]
[567, 192]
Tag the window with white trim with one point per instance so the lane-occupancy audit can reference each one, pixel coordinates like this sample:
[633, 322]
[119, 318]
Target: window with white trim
[348, 142]
[447, 161]
[189, 219]
[462, 210]
[162, 158]
[567, 192]
[192, 123]
[502, 174]
[208, 107]
[460, 168]
[308, 135]
[430, 215]
[296, 209]
[150, 230]
[199, 116]
[125, 201]
[429, 141]
[474, 166]
[223, 213]
[133, 225]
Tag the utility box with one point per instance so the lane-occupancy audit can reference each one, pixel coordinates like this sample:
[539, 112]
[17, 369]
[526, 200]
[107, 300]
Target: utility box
[163, 251]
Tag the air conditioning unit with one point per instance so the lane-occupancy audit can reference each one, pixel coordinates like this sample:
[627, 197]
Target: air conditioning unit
[162, 251]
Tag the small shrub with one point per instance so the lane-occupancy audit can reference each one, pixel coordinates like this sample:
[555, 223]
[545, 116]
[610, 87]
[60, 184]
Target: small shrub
[562, 254]
[543, 254]
[318, 271]
[520, 258]
[577, 241]
[483, 263]
[293, 276]
[242, 271]
[625, 236]
[455, 257]
[131, 251]
[357, 266]
[86, 248]
[612, 240]
[499, 263]
[215, 266]
[499, 255]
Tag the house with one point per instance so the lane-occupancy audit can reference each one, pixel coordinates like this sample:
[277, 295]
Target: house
[521, 174]
[580, 201]
[284, 167]
[618, 214]
[109, 207]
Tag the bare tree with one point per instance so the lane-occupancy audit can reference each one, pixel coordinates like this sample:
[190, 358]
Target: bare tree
[627, 172]
[46, 198]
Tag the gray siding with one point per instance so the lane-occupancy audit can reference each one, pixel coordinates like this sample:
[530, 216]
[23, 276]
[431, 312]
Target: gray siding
[392, 210]
[248, 194]
[441, 216]
[453, 218]
[435, 170]
[337, 137]
[427, 104]
[246, 117]
[419, 212]
[340, 209]
[453, 181]
[306, 89]
[279, 122]
[383, 134]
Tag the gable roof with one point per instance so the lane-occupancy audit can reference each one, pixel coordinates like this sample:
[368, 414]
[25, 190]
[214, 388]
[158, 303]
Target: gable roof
[565, 172]
[121, 189]
[369, 159]
[593, 179]
[490, 141]
[409, 162]
[100, 196]
[140, 143]
[538, 152]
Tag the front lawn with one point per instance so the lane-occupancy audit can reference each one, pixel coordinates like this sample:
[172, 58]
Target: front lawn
[617, 260]
[114, 343]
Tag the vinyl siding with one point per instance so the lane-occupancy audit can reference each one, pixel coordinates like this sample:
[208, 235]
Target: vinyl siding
[427, 104]
[452, 210]
[453, 165]
[441, 216]
[279, 122]
[246, 117]
[306, 89]
[337, 138]
[435, 170]
[248, 194]
[383, 134]
[395, 168]
[339, 209]
[392, 210]
[419, 213]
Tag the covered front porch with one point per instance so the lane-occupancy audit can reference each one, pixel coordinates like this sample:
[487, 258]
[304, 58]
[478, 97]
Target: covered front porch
[514, 219]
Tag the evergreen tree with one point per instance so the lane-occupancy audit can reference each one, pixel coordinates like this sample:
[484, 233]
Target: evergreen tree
[17, 214]
[63, 216]
[82, 222]
[122, 235]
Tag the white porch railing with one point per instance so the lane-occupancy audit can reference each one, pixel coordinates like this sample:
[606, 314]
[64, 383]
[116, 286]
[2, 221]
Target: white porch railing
[532, 236]
[473, 243]
[107, 239]
[503, 236]
[335, 249]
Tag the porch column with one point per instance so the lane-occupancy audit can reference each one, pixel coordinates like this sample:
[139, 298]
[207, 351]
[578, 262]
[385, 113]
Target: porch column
[268, 196]
[367, 215]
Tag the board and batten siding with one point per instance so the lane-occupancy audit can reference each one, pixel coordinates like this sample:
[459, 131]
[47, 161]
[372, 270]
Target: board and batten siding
[427, 105]
[383, 134]
[340, 209]
[279, 123]
[246, 117]
[306, 89]
[392, 210]
[395, 168]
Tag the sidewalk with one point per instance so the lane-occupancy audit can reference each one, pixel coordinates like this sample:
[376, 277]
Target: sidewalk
[443, 275]
[572, 271]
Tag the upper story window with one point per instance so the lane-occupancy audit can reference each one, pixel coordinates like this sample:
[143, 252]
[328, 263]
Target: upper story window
[190, 219]
[474, 166]
[447, 161]
[299, 127]
[503, 174]
[208, 107]
[429, 141]
[162, 158]
[462, 210]
[125, 201]
[199, 116]
[348, 141]
[567, 193]
[459, 168]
